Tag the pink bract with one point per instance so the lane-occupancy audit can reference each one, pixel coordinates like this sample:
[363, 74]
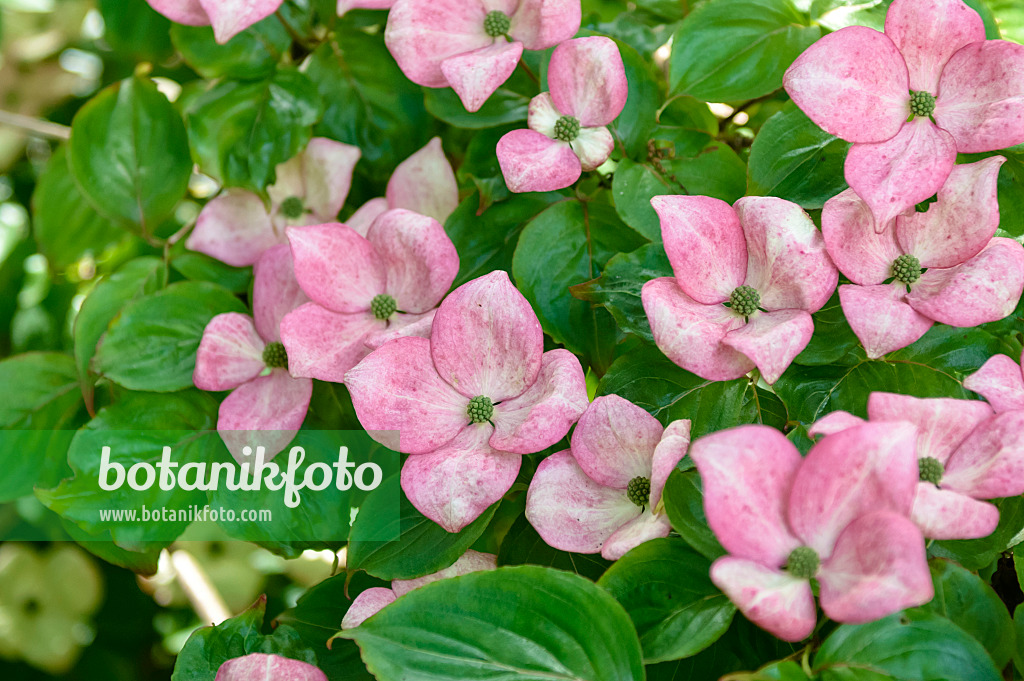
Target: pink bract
[764, 253]
[267, 405]
[931, 64]
[468, 402]
[472, 45]
[1000, 381]
[236, 227]
[579, 499]
[257, 666]
[228, 17]
[970, 277]
[567, 132]
[838, 515]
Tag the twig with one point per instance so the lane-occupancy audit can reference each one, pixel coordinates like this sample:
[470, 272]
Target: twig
[35, 125]
[201, 593]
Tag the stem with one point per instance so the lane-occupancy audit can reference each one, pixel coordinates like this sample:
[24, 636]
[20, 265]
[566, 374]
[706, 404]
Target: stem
[529, 71]
[293, 33]
[203, 596]
[35, 126]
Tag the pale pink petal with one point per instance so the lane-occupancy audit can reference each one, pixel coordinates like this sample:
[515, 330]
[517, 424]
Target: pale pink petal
[961, 222]
[852, 83]
[364, 216]
[895, 175]
[705, 244]
[470, 561]
[570, 511]
[188, 12]
[945, 514]
[836, 422]
[476, 75]
[942, 423]
[230, 17]
[532, 162]
[230, 353]
[336, 267]
[880, 318]
[540, 24]
[775, 601]
[634, 533]
[671, 449]
[786, 258]
[397, 388]
[870, 467]
[421, 35]
[346, 5]
[420, 260]
[328, 170]
[543, 414]
[264, 667]
[588, 81]
[424, 183]
[324, 345]
[981, 96]
[864, 255]
[614, 441]
[487, 340]
[879, 567]
[593, 146]
[366, 604]
[772, 339]
[927, 33]
[275, 291]
[1000, 381]
[402, 325]
[276, 403]
[990, 463]
[691, 333]
[454, 484]
[543, 115]
[234, 228]
[986, 288]
[747, 473]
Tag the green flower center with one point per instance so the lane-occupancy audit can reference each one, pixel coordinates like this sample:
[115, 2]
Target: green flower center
[921, 103]
[803, 562]
[745, 300]
[480, 409]
[383, 306]
[906, 269]
[275, 356]
[639, 491]
[497, 23]
[567, 129]
[930, 470]
[292, 207]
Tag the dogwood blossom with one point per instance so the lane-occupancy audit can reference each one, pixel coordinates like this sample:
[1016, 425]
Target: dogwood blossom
[228, 17]
[970, 277]
[567, 132]
[837, 516]
[603, 494]
[473, 46]
[471, 400]
[244, 354]
[263, 666]
[911, 98]
[1000, 380]
[747, 278]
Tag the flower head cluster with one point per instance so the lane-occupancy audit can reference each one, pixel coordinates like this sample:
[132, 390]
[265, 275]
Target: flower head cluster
[747, 278]
[266, 666]
[228, 17]
[567, 132]
[604, 493]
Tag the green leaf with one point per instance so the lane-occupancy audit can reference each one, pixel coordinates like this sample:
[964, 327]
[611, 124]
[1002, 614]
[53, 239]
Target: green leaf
[136, 29]
[833, 341]
[152, 344]
[251, 54]
[201, 267]
[687, 123]
[501, 108]
[914, 646]
[129, 153]
[241, 131]
[665, 587]
[684, 504]
[1010, 187]
[1010, 16]
[794, 159]
[731, 50]
[975, 554]
[523, 546]
[633, 186]
[524, 622]
[637, 120]
[408, 545]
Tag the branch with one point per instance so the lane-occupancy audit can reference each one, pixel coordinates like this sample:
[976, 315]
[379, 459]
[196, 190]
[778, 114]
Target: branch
[35, 126]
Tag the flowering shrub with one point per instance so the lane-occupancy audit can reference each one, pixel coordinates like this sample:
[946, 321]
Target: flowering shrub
[695, 331]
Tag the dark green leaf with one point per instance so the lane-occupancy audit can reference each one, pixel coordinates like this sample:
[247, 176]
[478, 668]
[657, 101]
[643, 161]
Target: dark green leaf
[684, 504]
[201, 267]
[635, 123]
[501, 108]
[833, 341]
[523, 546]
[136, 29]
[975, 554]
[251, 54]
[687, 123]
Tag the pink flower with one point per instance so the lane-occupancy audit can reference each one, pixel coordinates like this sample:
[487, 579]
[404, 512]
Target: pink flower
[1000, 380]
[244, 354]
[931, 64]
[310, 189]
[263, 666]
[604, 494]
[567, 132]
[364, 289]
[468, 403]
[371, 601]
[970, 277]
[838, 515]
[473, 45]
[747, 279]
[228, 17]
